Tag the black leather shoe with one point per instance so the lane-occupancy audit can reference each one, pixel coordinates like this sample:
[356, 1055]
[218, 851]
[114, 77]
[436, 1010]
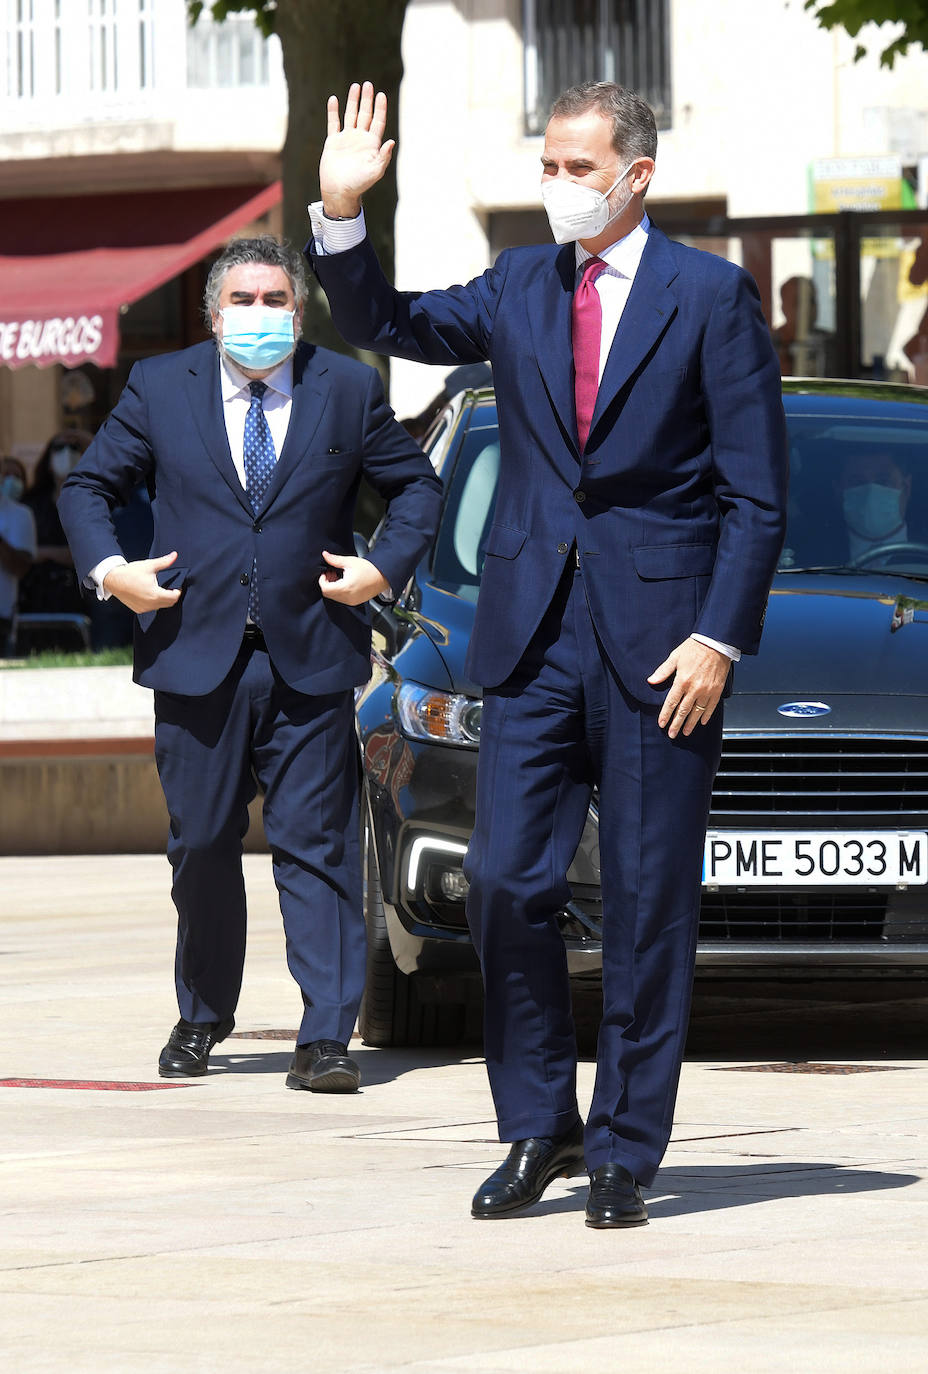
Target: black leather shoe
[526, 1172]
[187, 1052]
[614, 1199]
[324, 1067]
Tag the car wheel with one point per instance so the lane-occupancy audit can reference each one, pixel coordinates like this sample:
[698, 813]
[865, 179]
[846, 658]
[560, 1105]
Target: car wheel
[392, 1011]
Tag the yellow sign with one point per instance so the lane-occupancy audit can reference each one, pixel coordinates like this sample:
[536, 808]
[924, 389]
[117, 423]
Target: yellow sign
[856, 183]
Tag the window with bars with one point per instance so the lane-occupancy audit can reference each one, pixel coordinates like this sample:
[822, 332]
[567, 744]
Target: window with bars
[571, 41]
[146, 45]
[232, 53]
[104, 70]
[20, 73]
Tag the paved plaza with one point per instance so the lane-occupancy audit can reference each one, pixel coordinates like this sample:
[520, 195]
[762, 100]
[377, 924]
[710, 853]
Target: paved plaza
[229, 1225]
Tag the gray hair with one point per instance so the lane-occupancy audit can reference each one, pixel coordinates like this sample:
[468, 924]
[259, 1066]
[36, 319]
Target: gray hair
[267, 250]
[634, 132]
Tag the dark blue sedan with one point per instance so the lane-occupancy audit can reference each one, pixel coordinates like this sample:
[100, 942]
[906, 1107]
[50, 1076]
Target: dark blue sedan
[817, 853]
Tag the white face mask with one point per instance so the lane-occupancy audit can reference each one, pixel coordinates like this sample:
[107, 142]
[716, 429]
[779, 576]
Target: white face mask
[576, 211]
[873, 511]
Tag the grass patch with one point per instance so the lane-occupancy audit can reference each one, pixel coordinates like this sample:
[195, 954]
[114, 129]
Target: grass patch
[53, 658]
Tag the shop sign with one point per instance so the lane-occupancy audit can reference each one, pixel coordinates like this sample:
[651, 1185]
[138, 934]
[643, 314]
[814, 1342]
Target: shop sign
[67, 339]
[857, 183]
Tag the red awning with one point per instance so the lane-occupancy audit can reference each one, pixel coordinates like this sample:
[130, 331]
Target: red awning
[68, 263]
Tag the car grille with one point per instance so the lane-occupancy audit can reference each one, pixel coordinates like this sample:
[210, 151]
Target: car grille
[786, 781]
[767, 917]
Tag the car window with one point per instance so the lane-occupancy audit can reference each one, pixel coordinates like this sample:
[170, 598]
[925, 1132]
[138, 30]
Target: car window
[858, 489]
[468, 514]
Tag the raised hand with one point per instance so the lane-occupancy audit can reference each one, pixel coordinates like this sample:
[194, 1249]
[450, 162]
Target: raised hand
[355, 156]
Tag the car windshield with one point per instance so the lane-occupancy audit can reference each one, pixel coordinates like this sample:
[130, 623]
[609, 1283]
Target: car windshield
[858, 488]
[858, 491]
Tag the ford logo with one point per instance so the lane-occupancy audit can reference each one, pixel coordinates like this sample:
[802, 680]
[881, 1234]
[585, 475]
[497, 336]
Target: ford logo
[803, 708]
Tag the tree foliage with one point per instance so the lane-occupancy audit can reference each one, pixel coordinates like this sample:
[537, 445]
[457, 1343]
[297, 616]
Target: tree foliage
[326, 45]
[852, 15]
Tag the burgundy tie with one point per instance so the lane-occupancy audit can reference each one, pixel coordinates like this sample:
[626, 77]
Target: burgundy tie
[586, 324]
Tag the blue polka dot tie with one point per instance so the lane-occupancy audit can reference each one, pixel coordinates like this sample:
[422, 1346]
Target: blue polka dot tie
[259, 456]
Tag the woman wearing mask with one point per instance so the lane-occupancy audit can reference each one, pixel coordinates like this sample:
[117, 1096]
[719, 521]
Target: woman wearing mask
[17, 542]
[50, 584]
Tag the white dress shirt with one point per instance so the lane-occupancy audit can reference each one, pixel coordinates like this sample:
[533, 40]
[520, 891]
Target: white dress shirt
[612, 286]
[236, 398]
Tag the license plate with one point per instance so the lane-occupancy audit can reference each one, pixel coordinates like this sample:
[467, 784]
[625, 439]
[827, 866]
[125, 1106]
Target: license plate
[788, 858]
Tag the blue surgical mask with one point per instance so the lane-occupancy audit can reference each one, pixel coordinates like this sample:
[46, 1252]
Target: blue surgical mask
[257, 336]
[873, 511]
[11, 487]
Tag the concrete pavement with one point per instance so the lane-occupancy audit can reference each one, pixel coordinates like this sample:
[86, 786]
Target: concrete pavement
[228, 1224]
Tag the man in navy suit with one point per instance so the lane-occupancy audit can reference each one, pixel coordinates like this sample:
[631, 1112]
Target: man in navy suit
[639, 518]
[252, 628]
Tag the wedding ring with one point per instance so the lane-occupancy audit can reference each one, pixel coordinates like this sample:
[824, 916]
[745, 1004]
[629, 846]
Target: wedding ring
[697, 707]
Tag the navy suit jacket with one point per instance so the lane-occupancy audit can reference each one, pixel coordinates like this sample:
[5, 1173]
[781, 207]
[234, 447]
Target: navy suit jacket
[168, 430]
[677, 505]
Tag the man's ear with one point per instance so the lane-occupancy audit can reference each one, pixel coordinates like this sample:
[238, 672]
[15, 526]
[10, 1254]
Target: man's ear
[644, 171]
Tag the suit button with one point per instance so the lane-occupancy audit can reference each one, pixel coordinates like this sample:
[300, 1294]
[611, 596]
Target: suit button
[579, 497]
[256, 527]
[562, 548]
[244, 579]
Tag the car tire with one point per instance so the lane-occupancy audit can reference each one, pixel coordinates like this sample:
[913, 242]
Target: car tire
[392, 1012]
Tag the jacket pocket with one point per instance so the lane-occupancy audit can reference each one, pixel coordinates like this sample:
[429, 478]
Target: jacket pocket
[656, 561]
[172, 578]
[504, 541]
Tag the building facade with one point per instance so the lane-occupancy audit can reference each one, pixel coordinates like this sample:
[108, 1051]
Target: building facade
[131, 147]
[760, 114]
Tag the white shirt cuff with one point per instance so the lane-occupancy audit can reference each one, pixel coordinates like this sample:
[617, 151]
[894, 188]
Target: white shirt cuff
[335, 235]
[96, 575]
[727, 649]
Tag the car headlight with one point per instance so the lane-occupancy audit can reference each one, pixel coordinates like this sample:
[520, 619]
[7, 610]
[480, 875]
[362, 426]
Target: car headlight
[424, 713]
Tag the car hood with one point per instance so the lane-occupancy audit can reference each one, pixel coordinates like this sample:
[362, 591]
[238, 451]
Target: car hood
[826, 635]
[856, 644]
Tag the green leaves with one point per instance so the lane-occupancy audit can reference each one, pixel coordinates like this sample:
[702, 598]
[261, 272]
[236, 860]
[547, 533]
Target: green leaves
[264, 11]
[852, 15]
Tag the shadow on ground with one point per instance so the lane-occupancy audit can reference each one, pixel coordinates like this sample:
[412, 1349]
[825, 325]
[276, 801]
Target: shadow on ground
[716, 1187]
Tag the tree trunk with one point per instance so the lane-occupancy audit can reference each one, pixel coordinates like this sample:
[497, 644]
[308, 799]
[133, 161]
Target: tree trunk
[326, 45]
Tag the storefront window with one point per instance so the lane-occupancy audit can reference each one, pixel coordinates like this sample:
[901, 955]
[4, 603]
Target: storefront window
[894, 302]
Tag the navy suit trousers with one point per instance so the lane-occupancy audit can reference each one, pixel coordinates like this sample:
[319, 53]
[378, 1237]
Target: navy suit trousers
[560, 725]
[302, 749]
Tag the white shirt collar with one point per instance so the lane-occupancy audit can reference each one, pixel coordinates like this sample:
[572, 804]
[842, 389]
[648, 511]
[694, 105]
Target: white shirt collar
[623, 256]
[234, 381]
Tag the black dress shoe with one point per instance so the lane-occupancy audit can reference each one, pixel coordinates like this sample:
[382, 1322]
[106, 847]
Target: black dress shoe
[526, 1172]
[324, 1067]
[187, 1052]
[614, 1199]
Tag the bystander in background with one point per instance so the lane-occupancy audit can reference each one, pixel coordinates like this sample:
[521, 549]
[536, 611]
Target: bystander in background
[17, 544]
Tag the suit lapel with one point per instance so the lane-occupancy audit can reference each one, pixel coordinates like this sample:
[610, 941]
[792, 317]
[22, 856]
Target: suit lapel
[548, 307]
[649, 309]
[309, 401]
[205, 395]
